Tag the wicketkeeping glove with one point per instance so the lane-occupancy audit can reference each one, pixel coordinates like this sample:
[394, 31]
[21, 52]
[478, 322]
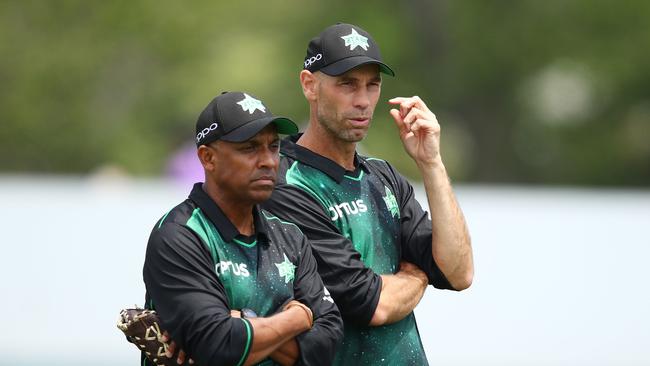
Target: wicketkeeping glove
[142, 328]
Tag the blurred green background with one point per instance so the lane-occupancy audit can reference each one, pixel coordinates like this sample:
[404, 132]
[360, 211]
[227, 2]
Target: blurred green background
[543, 92]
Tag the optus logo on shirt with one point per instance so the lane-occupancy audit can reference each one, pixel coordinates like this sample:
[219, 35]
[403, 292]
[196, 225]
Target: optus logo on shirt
[238, 269]
[347, 208]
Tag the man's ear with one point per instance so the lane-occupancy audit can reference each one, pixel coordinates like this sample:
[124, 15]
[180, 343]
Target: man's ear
[309, 83]
[206, 157]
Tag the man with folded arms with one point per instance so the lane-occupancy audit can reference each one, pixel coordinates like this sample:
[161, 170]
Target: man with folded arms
[231, 283]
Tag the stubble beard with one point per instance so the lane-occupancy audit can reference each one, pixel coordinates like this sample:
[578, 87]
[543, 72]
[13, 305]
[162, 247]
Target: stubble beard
[333, 127]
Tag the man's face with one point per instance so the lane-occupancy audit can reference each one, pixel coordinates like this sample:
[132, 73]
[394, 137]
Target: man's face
[245, 172]
[345, 103]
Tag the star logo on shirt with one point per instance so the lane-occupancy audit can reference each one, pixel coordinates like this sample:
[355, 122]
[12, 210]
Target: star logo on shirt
[391, 202]
[328, 296]
[250, 104]
[286, 269]
[355, 40]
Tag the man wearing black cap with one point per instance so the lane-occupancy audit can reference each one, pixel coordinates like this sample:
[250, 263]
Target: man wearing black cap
[231, 283]
[368, 234]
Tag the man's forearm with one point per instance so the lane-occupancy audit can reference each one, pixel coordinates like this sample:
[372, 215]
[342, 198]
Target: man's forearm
[400, 294]
[286, 354]
[451, 245]
[272, 332]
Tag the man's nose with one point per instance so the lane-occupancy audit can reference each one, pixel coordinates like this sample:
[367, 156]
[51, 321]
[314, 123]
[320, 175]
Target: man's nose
[268, 157]
[362, 99]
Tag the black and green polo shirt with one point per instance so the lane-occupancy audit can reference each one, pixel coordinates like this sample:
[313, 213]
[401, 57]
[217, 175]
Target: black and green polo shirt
[360, 224]
[198, 267]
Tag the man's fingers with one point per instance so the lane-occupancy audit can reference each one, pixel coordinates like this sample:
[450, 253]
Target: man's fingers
[165, 337]
[396, 116]
[410, 269]
[400, 100]
[403, 128]
[181, 357]
[406, 266]
[406, 103]
[417, 119]
[406, 107]
[426, 124]
[171, 349]
[417, 124]
[414, 114]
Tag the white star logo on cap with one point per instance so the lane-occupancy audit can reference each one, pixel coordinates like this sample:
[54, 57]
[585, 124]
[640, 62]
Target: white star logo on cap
[354, 39]
[250, 104]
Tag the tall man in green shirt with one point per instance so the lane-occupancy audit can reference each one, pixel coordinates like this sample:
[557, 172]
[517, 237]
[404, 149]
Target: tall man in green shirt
[375, 247]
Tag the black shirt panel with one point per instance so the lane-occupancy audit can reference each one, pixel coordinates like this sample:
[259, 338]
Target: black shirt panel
[192, 304]
[354, 287]
[317, 346]
[227, 230]
[415, 227]
[313, 345]
[296, 152]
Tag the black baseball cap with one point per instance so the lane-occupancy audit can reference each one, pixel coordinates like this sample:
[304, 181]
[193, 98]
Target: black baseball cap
[342, 47]
[237, 117]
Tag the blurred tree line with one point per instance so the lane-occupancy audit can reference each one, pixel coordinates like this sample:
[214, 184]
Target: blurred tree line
[526, 91]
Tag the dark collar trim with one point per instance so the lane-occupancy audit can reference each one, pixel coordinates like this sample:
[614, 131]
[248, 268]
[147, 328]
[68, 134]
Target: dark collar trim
[227, 230]
[290, 148]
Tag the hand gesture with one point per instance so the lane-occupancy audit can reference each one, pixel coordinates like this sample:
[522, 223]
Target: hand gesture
[418, 129]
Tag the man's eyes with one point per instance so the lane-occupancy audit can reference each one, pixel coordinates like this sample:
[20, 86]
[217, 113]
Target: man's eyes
[248, 148]
[353, 84]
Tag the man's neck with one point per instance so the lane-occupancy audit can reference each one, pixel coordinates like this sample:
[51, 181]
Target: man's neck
[324, 144]
[240, 214]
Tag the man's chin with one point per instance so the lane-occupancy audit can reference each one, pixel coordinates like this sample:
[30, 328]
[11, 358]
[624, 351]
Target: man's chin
[260, 195]
[355, 136]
